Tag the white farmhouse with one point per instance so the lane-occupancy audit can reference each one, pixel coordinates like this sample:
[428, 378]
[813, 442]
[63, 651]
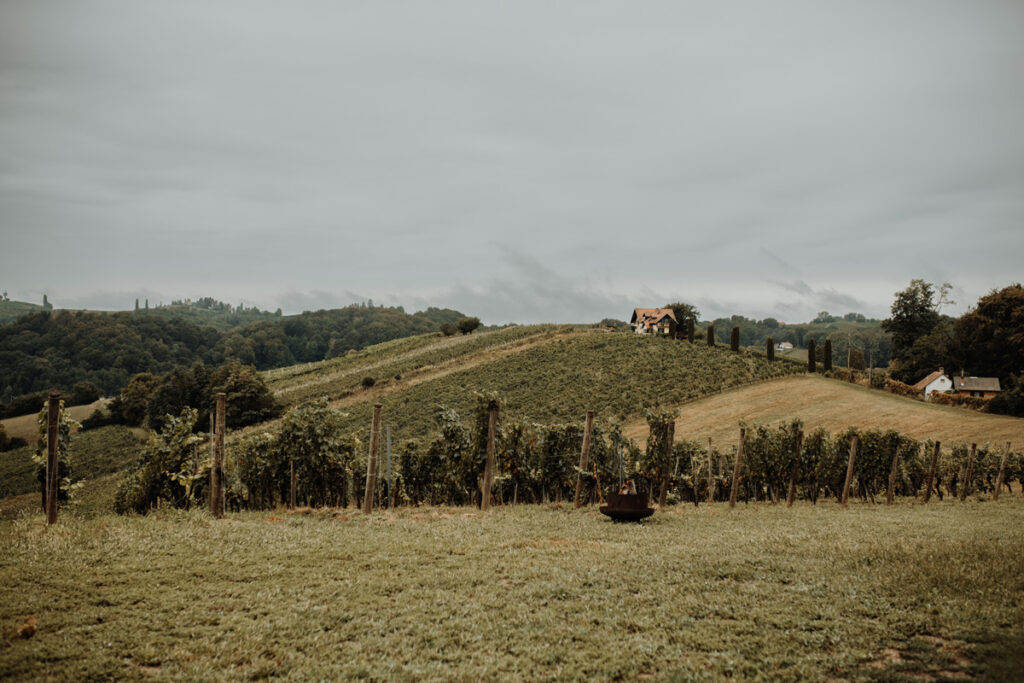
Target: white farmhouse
[937, 381]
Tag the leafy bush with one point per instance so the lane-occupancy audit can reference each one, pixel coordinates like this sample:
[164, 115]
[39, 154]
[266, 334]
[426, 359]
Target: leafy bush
[168, 469]
[311, 438]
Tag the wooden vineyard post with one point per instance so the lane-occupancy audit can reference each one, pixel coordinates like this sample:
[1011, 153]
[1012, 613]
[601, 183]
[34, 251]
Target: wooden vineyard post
[711, 481]
[892, 478]
[931, 472]
[485, 493]
[584, 458]
[796, 469]
[217, 471]
[970, 473]
[52, 453]
[689, 330]
[293, 487]
[734, 340]
[736, 469]
[391, 495]
[849, 470]
[1002, 471]
[371, 466]
[670, 436]
[711, 335]
[769, 349]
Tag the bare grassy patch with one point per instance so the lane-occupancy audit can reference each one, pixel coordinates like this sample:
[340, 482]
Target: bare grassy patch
[524, 593]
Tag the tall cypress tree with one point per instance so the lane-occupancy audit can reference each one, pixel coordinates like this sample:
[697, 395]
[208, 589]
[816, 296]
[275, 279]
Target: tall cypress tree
[828, 355]
[810, 355]
[711, 335]
[770, 349]
[734, 342]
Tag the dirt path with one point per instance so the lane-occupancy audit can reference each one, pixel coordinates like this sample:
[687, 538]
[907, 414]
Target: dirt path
[316, 378]
[835, 406]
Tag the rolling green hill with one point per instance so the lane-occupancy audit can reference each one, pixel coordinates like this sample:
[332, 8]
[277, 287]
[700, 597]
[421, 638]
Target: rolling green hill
[543, 373]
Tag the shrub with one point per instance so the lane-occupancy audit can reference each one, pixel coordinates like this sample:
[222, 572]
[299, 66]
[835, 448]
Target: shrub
[168, 468]
[468, 324]
[368, 382]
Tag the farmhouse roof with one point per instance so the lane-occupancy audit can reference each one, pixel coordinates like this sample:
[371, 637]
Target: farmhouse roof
[652, 315]
[975, 383]
[923, 384]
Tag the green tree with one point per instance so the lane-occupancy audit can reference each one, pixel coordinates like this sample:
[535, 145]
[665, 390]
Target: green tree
[249, 401]
[683, 311]
[448, 329]
[989, 338]
[468, 324]
[914, 314]
[130, 406]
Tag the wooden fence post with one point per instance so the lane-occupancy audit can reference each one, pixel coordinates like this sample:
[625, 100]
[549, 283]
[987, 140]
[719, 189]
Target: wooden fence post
[371, 466]
[769, 349]
[849, 470]
[796, 469]
[670, 436]
[736, 469]
[584, 457]
[931, 472]
[1002, 471]
[711, 335]
[711, 481]
[488, 483]
[970, 473]
[293, 487]
[217, 471]
[391, 493]
[892, 477]
[52, 456]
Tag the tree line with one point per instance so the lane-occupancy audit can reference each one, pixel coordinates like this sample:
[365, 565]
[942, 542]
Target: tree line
[986, 341]
[49, 350]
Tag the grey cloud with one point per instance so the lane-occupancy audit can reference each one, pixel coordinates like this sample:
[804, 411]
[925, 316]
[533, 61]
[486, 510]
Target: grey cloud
[792, 158]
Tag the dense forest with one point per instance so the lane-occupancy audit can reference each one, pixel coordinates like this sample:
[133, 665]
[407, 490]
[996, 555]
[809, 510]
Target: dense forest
[59, 349]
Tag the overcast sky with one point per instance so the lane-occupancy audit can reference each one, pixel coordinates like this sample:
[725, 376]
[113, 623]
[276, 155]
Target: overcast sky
[521, 161]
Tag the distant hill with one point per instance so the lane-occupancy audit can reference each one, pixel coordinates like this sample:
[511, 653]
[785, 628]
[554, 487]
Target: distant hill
[12, 310]
[56, 349]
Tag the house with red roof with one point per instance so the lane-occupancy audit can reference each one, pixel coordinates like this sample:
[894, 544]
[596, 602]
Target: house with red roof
[654, 321]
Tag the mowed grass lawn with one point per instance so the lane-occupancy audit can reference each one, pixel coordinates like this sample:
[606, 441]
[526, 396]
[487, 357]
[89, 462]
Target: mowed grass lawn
[526, 593]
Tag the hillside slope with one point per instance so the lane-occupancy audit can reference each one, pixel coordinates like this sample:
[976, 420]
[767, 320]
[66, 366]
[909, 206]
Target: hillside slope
[834, 405]
[543, 373]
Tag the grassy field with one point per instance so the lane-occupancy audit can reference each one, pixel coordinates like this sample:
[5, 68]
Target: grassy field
[27, 426]
[94, 453]
[834, 405]
[907, 592]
